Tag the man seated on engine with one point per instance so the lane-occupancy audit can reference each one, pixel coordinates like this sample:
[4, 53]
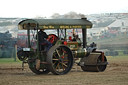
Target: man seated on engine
[42, 36]
[77, 39]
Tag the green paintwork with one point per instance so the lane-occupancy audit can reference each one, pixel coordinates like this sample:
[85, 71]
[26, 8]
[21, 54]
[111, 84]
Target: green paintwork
[72, 45]
[54, 24]
[80, 53]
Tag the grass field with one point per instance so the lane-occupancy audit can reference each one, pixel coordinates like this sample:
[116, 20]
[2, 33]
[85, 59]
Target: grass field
[9, 61]
[115, 74]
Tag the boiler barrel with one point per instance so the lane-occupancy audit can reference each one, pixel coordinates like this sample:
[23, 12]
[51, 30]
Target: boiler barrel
[80, 53]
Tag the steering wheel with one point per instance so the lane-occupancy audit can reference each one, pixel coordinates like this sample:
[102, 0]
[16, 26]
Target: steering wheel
[52, 38]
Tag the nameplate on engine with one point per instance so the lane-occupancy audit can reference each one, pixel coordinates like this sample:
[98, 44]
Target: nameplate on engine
[26, 49]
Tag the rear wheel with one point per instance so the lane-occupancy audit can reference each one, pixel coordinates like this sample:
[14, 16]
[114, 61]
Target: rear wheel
[32, 66]
[60, 60]
[40, 71]
[22, 56]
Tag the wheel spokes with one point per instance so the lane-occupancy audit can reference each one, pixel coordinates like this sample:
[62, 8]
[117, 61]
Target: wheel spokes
[60, 67]
[55, 59]
[57, 52]
[65, 60]
[65, 65]
[61, 60]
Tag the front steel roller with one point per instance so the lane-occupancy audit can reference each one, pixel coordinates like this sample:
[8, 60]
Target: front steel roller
[60, 60]
[100, 66]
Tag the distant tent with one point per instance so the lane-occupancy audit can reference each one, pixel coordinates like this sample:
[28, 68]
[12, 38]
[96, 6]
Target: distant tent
[119, 23]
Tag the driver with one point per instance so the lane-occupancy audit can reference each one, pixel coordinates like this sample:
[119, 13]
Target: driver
[42, 36]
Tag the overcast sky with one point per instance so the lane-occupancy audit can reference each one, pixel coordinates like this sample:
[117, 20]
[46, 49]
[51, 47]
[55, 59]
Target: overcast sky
[46, 8]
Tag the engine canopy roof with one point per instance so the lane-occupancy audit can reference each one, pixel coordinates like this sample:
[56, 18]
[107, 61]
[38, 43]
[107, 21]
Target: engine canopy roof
[54, 24]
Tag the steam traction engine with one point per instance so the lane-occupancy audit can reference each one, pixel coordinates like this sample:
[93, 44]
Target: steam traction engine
[60, 58]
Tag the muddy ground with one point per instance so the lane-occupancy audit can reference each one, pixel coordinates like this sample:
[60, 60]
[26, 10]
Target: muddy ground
[115, 74]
